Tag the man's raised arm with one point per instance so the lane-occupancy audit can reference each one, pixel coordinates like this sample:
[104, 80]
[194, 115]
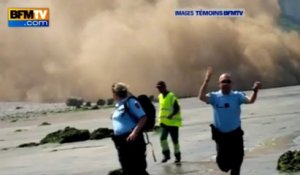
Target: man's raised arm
[252, 98]
[203, 89]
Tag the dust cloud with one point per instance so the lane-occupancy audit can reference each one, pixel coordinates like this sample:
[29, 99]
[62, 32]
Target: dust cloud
[91, 44]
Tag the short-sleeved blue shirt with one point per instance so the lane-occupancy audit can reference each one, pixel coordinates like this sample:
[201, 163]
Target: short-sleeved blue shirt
[227, 109]
[122, 121]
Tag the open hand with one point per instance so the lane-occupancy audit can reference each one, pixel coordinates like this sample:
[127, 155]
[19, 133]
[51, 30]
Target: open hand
[208, 74]
[257, 85]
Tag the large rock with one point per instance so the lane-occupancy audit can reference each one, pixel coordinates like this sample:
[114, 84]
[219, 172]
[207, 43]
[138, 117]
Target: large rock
[88, 104]
[110, 101]
[67, 135]
[101, 102]
[101, 133]
[289, 162]
[77, 102]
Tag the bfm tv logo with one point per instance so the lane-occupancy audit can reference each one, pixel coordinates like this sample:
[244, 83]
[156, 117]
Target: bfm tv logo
[28, 17]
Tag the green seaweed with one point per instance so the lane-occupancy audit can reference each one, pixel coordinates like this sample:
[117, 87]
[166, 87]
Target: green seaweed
[31, 144]
[289, 162]
[101, 133]
[67, 135]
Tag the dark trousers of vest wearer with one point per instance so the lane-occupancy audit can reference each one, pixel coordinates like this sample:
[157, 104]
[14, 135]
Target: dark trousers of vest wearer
[230, 149]
[132, 155]
[174, 132]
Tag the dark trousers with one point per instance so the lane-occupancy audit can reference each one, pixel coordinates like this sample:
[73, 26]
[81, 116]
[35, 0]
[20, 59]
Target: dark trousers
[174, 132]
[132, 155]
[230, 149]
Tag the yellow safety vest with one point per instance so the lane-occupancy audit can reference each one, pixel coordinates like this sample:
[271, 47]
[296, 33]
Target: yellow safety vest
[166, 108]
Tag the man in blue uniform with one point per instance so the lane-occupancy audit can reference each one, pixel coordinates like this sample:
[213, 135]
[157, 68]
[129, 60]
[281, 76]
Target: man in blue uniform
[226, 127]
[128, 136]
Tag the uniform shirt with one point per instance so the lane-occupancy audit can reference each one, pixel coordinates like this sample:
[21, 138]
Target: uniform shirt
[122, 121]
[226, 109]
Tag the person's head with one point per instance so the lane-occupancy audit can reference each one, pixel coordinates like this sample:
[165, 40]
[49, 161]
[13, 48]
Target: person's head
[161, 87]
[120, 91]
[225, 83]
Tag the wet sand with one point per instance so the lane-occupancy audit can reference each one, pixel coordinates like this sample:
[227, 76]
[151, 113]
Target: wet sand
[271, 127]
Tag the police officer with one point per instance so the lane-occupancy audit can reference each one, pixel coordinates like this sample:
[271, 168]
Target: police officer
[226, 127]
[128, 137]
[170, 120]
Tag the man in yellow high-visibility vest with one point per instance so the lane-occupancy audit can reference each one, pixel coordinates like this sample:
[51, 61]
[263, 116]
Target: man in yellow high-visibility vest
[170, 120]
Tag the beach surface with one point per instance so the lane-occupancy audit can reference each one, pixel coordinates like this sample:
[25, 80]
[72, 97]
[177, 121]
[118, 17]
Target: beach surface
[271, 127]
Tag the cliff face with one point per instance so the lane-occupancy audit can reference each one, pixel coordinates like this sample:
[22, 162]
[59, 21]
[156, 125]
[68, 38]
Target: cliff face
[291, 8]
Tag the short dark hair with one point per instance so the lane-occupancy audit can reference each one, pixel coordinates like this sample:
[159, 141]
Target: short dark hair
[161, 84]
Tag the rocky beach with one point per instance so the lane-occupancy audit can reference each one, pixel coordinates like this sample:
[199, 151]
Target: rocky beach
[271, 128]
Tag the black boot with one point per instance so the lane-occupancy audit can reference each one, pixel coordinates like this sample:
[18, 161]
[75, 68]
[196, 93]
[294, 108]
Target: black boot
[166, 156]
[178, 157]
